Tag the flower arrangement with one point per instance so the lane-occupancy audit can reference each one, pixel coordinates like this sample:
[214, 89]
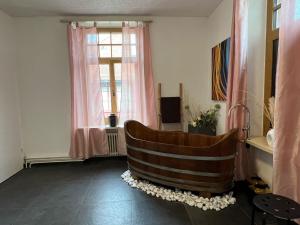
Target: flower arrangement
[269, 113]
[269, 110]
[204, 119]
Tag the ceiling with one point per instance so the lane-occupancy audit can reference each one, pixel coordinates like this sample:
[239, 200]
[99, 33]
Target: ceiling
[190, 8]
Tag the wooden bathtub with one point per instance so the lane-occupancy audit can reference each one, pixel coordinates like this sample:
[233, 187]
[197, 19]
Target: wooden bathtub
[187, 161]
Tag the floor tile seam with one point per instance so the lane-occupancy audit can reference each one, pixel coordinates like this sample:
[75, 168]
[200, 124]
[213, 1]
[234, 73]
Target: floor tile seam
[12, 208]
[244, 211]
[189, 215]
[100, 203]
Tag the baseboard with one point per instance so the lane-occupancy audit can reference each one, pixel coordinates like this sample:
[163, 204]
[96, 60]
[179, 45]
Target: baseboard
[30, 161]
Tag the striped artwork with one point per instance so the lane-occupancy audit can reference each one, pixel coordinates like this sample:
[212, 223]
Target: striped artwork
[220, 63]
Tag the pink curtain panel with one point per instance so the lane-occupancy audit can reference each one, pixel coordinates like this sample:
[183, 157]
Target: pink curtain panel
[138, 94]
[237, 80]
[88, 137]
[286, 157]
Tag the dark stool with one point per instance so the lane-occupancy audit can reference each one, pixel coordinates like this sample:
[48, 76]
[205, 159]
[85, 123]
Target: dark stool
[277, 206]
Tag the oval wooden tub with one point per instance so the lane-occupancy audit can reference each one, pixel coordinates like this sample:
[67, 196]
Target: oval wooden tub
[187, 161]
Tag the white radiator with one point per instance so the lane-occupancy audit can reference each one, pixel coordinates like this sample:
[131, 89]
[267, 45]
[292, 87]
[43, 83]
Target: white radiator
[112, 137]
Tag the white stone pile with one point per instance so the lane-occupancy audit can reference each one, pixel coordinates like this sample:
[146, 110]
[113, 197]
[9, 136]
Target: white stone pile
[215, 203]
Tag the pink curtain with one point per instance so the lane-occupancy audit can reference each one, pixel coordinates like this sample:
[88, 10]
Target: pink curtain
[138, 95]
[237, 80]
[286, 158]
[88, 137]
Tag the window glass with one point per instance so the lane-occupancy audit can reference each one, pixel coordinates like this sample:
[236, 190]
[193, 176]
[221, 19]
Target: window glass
[277, 2]
[117, 69]
[105, 86]
[104, 38]
[91, 52]
[91, 39]
[297, 12]
[105, 51]
[116, 38]
[110, 54]
[272, 36]
[117, 51]
[133, 50]
[132, 38]
[276, 19]
[276, 13]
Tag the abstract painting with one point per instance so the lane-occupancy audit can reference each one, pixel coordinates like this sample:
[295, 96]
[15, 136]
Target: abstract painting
[220, 63]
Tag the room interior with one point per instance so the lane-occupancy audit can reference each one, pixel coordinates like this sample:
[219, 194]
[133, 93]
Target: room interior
[58, 167]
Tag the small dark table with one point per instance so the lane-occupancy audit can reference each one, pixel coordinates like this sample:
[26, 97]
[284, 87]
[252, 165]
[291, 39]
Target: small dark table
[278, 206]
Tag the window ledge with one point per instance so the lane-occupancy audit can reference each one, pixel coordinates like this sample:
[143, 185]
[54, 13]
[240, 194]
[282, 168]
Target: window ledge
[113, 128]
[106, 127]
[260, 143]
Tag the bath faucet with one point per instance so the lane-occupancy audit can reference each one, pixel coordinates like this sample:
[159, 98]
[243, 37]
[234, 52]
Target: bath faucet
[245, 129]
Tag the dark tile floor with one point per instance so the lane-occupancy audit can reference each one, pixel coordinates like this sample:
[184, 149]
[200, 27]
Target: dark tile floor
[92, 193]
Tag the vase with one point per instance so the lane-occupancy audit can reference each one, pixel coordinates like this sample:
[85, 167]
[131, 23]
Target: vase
[201, 130]
[112, 120]
[270, 137]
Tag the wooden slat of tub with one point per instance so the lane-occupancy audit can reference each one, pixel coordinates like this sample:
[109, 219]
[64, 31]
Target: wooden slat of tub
[146, 168]
[218, 188]
[181, 156]
[225, 166]
[179, 180]
[225, 148]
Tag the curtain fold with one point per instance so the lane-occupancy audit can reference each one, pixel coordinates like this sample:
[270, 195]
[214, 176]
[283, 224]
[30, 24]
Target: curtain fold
[138, 94]
[237, 80]
[286, 157]
[88, 137]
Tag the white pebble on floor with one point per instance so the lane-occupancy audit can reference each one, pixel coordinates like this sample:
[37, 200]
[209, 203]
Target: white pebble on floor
[215, 203]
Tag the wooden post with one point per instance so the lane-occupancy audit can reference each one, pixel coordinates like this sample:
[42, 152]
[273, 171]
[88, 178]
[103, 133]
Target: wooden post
[159, 109]
[181, 105]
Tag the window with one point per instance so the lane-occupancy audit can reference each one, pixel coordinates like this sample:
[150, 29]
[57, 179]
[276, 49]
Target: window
[276, 14]
[109, 42]
[297, 10]
[272, 41]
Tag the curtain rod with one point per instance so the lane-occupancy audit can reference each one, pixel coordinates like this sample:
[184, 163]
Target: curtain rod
[103, 20]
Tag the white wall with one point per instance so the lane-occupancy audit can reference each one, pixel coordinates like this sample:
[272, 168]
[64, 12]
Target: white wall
[178, 47]
[256, 72]
[11, 159]
[220, 29]
[181, 50]
[43, 71]
[256, 63]
[219, 24]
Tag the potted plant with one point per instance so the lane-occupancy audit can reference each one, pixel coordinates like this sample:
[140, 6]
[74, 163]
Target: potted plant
[203, 122]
